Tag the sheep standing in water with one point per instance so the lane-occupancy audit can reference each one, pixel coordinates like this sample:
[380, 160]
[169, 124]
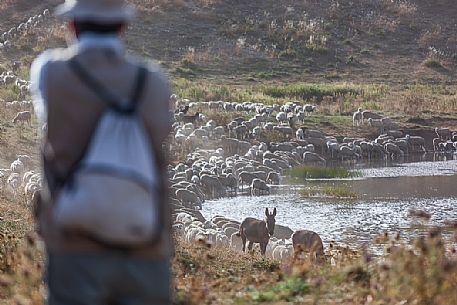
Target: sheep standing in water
[259, 187]
[443, 133]
[257, 231]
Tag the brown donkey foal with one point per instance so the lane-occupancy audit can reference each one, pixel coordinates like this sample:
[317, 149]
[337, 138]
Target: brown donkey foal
[257, 231]
[305, 241]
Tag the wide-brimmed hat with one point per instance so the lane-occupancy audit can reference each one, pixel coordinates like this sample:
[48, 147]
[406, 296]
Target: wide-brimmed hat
[106, 11]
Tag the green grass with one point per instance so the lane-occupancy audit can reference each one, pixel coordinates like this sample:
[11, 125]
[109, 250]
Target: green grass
[334, 119]
[266, 264]
[308, 90]
[284, 290]
[432, 63]
[269, 94]
[330, 192]
[8, 93]
[317, 48]
[270, 74]
[199, 91]
[317, 172]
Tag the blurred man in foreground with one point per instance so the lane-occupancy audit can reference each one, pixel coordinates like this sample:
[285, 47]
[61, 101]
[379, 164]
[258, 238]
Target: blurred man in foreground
[103, 212]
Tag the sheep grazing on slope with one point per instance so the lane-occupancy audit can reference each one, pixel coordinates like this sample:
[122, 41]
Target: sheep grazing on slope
[281, 117]
[15, 66]
[370, 115]
[24, 116]
[191, 118]
[376, 123]
[357, 117]
[300, 135]
[308, 109]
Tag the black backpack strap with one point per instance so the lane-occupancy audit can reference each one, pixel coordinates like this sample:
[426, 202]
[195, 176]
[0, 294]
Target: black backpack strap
[138, 88]
[106, 96]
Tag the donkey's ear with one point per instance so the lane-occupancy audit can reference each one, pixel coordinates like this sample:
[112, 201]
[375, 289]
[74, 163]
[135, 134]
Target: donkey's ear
[274, 212]
[266, 212]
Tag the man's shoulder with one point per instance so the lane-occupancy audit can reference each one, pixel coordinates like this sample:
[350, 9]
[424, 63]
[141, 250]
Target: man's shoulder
[54, 55]
[49, 59]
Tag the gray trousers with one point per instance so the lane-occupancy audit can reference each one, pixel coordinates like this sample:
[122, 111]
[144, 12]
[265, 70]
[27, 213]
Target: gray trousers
[107, 279]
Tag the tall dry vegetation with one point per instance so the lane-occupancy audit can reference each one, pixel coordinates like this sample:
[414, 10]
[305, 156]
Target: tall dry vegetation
[422, 273]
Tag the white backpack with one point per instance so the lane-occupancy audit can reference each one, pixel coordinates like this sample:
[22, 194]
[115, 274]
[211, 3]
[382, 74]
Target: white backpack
[112, 193]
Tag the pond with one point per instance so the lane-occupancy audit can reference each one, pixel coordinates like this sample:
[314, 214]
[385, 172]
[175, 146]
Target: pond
[384, 196]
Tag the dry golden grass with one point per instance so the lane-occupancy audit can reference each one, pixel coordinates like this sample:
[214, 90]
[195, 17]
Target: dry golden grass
[6, 4]
[421, 273]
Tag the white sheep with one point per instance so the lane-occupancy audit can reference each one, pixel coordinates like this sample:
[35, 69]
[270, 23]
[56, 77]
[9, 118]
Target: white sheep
[299, 134]
[443, 133]
[13, 182]
[370, 115]
[376, 123]
[312, 157]
[312, 133]
[357, 118]
[282, 252]
[17, 166]
[259, 187]
[29, 189]
[235, 242]
[416, 142]
[281, 117]
[23, 116]
[308, 109]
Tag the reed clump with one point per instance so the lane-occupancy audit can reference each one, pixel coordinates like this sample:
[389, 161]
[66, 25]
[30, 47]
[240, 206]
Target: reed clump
[318, 172]
[339, 192]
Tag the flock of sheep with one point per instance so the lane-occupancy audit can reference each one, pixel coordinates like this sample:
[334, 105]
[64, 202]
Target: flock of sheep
[28, 26]
[242, 160]
[306, 145]
[21, 176]
[23, 108]
[222, 160]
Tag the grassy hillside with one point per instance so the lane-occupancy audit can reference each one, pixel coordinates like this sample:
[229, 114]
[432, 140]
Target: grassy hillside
[358, 41]
[396, 57]
[394, 42]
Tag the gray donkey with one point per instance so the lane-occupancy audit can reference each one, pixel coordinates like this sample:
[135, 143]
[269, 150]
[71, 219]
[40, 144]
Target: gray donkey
[257, 231]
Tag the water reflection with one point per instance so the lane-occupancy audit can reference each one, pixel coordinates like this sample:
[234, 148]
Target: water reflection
[404, 187]
[383, 203]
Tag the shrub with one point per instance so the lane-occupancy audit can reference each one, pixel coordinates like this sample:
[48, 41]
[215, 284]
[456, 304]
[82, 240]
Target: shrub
[282, 291]
[307, 90]
[330, 192]
[316, 172]
[432, 63]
